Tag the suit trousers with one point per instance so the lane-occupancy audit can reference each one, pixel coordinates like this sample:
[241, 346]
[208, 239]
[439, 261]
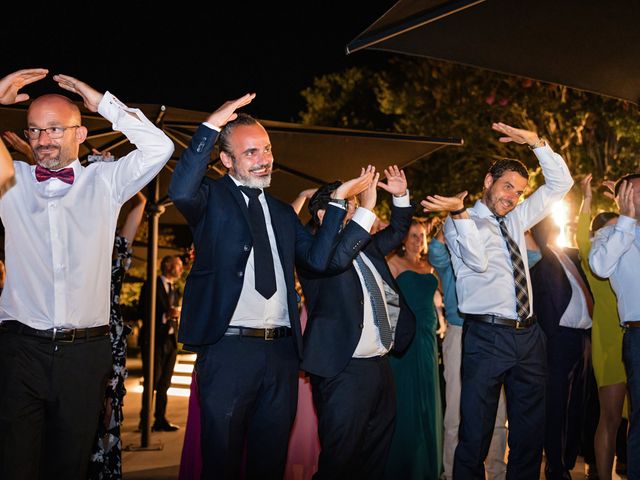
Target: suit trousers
[493, 356]
[248, 391]
[166, 353]
[356, 414]
[51, 394]
[631, 358]
[568, 357]
[452, 359]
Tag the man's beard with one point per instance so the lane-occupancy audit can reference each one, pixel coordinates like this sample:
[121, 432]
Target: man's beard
[490, 201]
[52, 162]
[255, 182]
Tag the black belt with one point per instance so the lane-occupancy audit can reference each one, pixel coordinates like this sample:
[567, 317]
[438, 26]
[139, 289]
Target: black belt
[263, 333]
[631, 324]
[495, 320]
[55, 334]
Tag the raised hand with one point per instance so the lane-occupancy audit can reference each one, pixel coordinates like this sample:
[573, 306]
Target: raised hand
[610, 185]
[624, 200]
[438, 203]
[369, 196]
[354, 186]
[396, 181]
[18, 144]
[90, 96]
[227, 112]
[516, 135]
[585, 186]
[12, 83]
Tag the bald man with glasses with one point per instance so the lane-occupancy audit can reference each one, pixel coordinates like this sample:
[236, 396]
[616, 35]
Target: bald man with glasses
[60, 220]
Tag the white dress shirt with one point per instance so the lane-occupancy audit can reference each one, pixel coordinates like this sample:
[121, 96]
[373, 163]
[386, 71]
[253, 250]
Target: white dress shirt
[479, 253]
[615, 254]
[253, 310]
[59, 237]
[370, 344]
[576, 315]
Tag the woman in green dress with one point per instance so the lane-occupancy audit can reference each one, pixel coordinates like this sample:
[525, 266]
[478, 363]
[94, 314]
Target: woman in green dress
[416, 448]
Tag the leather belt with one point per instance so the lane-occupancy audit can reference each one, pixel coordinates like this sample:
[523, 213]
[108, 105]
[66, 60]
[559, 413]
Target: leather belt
[496, 320]
[263, 333]
[632, 324]
[68, 335]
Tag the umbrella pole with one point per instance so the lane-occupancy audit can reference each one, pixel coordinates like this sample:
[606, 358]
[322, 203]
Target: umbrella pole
[153, 211]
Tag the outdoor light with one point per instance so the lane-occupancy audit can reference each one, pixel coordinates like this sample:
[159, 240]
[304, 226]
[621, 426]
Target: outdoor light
[559, 213]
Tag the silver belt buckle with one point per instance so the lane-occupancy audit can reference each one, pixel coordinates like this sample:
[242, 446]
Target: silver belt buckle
[62, 330]
[269, 333]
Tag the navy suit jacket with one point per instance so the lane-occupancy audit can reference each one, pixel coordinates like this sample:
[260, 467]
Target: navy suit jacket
[335, 301]
[218, 216]
[551, 288]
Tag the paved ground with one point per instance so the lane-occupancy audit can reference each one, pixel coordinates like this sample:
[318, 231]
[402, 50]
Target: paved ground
[163, 464]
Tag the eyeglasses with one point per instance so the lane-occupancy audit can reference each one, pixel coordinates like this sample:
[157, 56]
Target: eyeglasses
[33, 133]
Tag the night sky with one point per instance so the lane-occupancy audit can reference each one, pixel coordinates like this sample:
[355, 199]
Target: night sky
[198, 54]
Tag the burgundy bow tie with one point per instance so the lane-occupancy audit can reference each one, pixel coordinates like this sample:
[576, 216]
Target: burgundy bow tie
[65, 175]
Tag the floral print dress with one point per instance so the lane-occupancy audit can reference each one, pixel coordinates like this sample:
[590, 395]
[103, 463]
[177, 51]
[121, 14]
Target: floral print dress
[106, 456]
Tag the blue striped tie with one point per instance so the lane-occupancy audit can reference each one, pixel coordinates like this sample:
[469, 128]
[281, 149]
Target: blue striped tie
[380, 317]
[519, 273]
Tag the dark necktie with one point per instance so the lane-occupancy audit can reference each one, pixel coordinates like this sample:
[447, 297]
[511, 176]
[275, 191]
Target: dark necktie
[377, 303]
[262, 257]
[171, 294]
[65, 174]
[519, 273]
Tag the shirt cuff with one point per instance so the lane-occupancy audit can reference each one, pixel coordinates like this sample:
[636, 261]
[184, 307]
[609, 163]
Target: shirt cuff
[364, 217]
[339, 205]
[403, 201]
[212, 127]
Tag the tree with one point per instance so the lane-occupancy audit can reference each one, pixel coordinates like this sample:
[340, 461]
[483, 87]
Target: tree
[438, 99]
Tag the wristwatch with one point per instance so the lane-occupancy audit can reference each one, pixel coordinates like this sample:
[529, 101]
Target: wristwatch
[340, 201]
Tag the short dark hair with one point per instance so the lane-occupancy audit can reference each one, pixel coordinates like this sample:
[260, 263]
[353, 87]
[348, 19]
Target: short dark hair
[166, 263]
[500, 167]
[320, 200]
[601, 219]
[223, 137]
[628, 176]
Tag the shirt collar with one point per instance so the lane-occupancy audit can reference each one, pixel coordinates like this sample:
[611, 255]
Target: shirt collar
[239, 183]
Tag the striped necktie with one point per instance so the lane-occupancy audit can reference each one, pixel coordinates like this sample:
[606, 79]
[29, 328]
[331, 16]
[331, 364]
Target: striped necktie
[380, 317]
[519, 272]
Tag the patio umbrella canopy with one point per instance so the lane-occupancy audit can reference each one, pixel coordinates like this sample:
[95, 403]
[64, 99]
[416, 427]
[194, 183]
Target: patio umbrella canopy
[586, 44]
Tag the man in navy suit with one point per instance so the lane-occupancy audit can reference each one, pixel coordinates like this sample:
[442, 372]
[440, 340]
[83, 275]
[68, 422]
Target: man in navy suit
[563, 305]
[346, 342]
[166, 346]
[240, 305]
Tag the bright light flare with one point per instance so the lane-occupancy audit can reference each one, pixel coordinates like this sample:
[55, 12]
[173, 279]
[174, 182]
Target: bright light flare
[560, 215]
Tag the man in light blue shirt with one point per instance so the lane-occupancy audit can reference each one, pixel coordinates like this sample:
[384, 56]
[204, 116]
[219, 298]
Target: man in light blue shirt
[615, 254]
[452, 359]
[502, 344]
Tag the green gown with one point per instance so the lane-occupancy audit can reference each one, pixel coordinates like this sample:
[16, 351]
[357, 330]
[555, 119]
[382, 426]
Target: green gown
[416, 448]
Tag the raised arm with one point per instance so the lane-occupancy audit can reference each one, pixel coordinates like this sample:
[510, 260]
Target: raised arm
[611, 243]
[584, 217]
[134, 217]
[557, 177]
[7, 170]
[19, 145]
[186, 189]
[302, 197]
